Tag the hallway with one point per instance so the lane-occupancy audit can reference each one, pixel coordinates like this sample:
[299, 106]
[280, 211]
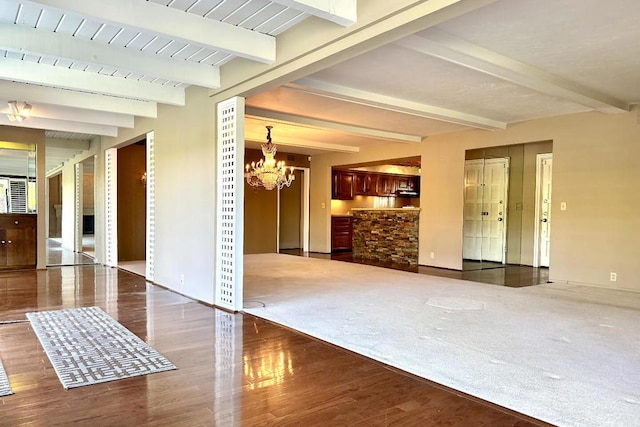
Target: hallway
[57, 255]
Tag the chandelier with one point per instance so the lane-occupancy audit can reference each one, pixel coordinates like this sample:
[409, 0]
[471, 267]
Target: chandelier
[267, 172]
[19, 114]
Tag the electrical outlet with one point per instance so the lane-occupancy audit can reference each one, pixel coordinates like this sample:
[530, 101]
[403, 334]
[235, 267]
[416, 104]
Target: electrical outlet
[613, 277]
[182, 279]
[433, 255]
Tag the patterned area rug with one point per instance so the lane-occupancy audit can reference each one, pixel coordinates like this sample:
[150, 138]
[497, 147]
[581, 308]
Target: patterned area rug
[5, 388]
[87, 346]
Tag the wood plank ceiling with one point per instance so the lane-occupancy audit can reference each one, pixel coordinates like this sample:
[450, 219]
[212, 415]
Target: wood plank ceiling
[90, 69]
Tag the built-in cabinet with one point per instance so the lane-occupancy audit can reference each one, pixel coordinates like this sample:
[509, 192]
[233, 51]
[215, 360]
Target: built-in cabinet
[342, 185]
[341, 233]
[347, 184]
[17, 241]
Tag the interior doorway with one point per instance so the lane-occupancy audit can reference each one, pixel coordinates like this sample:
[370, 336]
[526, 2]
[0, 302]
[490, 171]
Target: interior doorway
[132, 207]
[55, 206]
[542, 243]
[88, 207]
[293, 214]
[78, 245]
[520, 224]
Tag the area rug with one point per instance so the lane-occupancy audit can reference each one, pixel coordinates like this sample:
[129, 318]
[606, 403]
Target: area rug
[5, 387]
[87, 346]
[565, 354]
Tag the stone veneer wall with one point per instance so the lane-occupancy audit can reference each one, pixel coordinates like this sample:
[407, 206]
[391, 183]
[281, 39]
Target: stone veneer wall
[386, 235]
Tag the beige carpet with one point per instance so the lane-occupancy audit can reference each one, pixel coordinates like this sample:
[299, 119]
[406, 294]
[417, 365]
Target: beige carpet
[567, 355]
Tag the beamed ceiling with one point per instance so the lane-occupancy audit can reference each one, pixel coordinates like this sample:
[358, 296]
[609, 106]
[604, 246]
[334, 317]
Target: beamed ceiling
[91, 67]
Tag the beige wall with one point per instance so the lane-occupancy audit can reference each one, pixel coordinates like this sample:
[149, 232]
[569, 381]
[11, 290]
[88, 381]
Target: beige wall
[290, 213]
[596, 170]
[260, 220]
[87, 193]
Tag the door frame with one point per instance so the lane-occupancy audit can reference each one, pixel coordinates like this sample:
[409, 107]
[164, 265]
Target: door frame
[538, 207]
[111, 203]
[304, 218]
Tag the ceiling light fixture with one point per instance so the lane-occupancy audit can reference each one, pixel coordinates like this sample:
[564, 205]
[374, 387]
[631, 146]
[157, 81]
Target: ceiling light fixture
[19, 114]
[267, 172]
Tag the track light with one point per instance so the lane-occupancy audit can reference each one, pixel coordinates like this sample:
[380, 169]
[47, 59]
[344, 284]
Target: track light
[19, 114]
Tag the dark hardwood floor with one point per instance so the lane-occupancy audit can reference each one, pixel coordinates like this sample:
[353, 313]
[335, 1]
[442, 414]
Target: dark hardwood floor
[515, 276]
[234, 369]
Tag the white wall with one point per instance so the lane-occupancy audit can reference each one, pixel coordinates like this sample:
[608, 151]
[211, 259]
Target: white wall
[185, 192]
[596, 170]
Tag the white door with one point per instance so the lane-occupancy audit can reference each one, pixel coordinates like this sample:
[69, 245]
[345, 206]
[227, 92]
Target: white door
[485, 215]
[473, 212]
[545, 210]
[494, 209]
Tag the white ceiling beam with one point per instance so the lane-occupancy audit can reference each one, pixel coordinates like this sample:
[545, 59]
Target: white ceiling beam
[25, 40]
[342, 12]
[66, 98]
[325, 124]
[48, 75]
[452, 49]
[305, 143]
[371, 99]
[164, 21]
[45, 111]
[62, 126]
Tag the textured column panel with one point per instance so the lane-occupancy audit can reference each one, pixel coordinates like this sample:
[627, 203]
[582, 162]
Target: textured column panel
[229, 198]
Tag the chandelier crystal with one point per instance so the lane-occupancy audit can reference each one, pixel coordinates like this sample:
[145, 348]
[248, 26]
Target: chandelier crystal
[267, 172]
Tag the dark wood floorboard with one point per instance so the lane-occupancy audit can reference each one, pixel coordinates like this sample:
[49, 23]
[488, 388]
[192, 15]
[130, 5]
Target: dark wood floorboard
[234, 369]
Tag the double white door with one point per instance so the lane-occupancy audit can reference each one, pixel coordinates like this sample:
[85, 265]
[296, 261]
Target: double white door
[485, 209]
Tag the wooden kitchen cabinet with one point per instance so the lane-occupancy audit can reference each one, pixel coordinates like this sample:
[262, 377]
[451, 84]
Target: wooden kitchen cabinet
[341, 233]
[387, 185]
[342, 185]
[347, 184]
[17, 241]
[365, 184]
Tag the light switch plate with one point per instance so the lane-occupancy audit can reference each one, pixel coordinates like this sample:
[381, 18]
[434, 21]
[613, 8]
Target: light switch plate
[563, 206]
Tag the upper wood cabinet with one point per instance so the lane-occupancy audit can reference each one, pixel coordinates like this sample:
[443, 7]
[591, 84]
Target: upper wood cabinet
[365, 184]
[387, 185]
[342, 185]
[347, 184]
